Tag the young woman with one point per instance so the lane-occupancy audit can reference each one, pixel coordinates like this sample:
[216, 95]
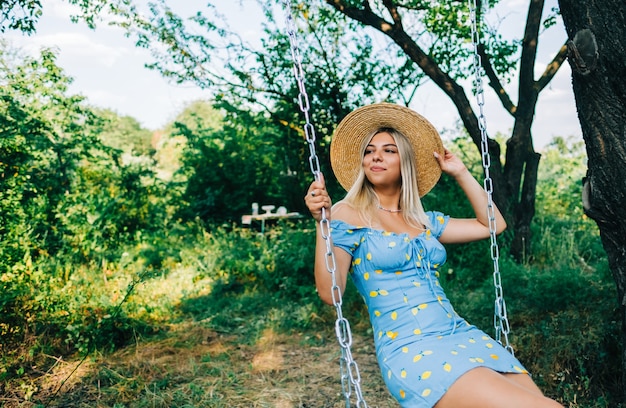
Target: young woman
[387, 156]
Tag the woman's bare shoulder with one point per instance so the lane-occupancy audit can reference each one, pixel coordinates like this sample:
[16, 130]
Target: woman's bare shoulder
[345, 212]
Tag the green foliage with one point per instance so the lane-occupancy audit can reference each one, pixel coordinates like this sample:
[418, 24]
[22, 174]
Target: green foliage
[110, 204]
[560, 179]
[224, 169]
[63, 195]
[21, 15]
[276, 263]
[124, 134]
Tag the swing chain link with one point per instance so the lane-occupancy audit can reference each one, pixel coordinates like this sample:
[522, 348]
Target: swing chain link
[500, 318]
[349, 369]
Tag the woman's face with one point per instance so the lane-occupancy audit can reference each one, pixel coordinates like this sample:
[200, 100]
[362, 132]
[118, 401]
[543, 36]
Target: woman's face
[381, 161]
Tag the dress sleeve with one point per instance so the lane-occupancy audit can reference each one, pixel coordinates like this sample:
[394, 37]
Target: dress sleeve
[346, 236]
[438, 222]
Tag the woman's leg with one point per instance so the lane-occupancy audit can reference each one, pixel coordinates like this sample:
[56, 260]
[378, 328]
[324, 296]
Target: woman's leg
[485, 388]
[524, 380]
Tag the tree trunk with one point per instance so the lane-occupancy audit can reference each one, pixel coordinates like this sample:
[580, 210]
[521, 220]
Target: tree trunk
[596, 30]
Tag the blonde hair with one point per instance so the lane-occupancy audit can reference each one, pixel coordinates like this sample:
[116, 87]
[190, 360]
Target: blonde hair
[362, 197]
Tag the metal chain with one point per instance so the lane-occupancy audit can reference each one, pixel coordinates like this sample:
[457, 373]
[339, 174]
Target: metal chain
[500, 318]
[349, 369]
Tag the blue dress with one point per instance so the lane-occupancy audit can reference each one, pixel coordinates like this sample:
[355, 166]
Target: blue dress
[422, 344]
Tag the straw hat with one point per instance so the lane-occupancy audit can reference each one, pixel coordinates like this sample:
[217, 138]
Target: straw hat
[346, 159]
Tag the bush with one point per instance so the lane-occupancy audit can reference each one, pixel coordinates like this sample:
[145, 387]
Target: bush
[278, 263]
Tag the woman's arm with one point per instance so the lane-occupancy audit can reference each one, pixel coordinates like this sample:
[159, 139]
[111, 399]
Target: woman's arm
[471, 229]
[316, 199]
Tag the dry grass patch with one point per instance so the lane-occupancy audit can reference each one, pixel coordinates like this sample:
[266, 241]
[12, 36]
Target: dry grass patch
[197, 367]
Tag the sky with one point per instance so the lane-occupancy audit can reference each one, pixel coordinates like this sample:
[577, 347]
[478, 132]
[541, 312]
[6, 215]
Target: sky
[109, 71]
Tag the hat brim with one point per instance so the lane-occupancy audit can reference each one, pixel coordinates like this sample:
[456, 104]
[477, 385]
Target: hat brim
[346, 159]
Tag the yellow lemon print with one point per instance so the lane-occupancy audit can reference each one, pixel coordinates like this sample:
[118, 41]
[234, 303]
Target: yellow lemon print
[486, 338]
[368, 256]
[494, 356]
[407, 256]
[471, 340]
[489, 345]
[389, 374]
[394, 315]
[440, 219]
[428, 233]
[454, 352]
[380, 334]
[426, 392]
[378, 271]
[479, 360]
[381, 292]
[447, 367]
[403, 373]
[405, 349]
[392, 335]
[392, 244]
[386, 233]
[402, 394]
[377, 313]
[419, 356]
[406, 299]
[398, 272]
[425, 375]
[406, 239]
[366, 276]
[472, 360]
[417, 332]
[416, 284]
[519, 369]
[357, 261]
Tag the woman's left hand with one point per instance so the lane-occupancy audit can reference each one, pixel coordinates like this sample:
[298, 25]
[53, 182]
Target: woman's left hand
[450, 163]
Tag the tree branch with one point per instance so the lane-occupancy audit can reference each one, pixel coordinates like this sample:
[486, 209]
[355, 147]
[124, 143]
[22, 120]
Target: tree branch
[552, 68]
[494, 81]
[393, 11]
[527, 91]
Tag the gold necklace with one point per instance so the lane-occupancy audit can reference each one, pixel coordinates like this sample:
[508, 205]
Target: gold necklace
[388, 210]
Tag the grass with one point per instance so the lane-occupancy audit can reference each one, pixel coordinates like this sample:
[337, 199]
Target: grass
[193, 365]
[233, 322]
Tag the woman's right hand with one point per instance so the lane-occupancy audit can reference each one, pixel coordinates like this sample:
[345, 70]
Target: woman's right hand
[317, 198]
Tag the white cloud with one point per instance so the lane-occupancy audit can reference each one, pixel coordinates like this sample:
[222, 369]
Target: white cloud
[79, 46]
